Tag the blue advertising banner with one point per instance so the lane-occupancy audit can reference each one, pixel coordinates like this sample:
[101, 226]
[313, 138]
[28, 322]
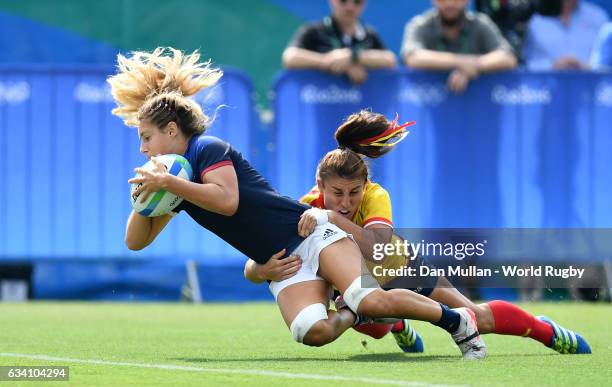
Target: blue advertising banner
[64, 191]
[515, 150]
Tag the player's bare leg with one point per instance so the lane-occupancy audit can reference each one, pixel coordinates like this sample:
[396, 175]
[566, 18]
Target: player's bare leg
[295, 298]
[342, 265]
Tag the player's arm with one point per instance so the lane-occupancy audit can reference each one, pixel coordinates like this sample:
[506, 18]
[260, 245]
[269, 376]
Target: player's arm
[218, 193]
[141, 230]
[252, 273]
[367, 237]
[276, 269]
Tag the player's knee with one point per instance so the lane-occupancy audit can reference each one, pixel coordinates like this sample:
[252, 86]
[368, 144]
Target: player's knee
[357, 293]
[306, 320]
[318, 335]
[377, 304]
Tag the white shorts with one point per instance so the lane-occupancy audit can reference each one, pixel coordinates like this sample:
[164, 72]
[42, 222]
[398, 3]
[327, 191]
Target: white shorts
[309, 251]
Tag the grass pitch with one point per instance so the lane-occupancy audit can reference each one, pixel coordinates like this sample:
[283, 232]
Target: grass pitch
[248, 344]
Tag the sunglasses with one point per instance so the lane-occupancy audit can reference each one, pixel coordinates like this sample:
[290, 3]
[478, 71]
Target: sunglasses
[356, 2]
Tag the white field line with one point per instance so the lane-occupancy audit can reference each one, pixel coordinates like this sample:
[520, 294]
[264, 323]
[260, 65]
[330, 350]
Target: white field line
[238, 371]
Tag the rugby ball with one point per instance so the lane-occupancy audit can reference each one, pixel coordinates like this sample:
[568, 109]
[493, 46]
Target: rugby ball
[162, 202]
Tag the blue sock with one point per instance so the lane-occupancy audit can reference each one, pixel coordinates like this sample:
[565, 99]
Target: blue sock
[449, 320]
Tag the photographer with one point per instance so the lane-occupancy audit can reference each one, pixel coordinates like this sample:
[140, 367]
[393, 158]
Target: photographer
[512, 17]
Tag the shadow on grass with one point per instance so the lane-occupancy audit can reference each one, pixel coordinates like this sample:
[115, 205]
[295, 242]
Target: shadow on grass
[400, 357]
[391, 357]
[368, 357]
[403, 358]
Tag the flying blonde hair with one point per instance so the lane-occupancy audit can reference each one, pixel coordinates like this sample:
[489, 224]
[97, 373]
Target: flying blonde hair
[149, 83]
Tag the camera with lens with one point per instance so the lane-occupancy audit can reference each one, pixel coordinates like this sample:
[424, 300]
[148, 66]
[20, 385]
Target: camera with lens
[512, 16]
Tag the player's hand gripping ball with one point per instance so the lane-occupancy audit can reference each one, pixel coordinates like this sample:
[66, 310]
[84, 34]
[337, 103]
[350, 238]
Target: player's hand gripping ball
[159, 202]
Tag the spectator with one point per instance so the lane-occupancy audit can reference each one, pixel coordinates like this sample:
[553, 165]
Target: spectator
[340, 44]
[566, 41]
[601, 57]
[448, 37]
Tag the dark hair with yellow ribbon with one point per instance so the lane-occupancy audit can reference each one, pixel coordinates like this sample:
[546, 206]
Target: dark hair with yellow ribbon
[361, 134]
[370, 134]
